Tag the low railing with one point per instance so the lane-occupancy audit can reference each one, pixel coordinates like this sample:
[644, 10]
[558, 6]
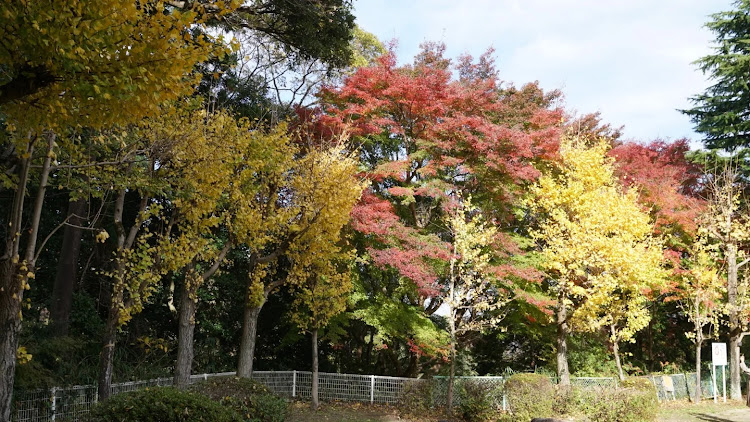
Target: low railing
[71, 403]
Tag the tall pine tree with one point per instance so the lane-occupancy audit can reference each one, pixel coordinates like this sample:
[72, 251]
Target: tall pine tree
[722, 112]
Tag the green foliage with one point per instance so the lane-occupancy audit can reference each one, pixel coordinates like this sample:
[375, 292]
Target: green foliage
[620, 405]
[530, 396]
[589, 356]
[720, 113]
[634, 402]
[477, 400]
[417, 397]
[642, 384]
[250, 399]
[162, 404]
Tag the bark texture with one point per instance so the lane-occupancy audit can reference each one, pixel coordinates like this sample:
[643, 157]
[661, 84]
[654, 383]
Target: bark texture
[67, 268]
[183, 366]
[563, 373]
[247, 346]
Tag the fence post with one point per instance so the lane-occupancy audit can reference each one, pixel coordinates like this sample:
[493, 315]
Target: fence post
[294, 383]
[505, 405]
[372, 389]
[53, 394]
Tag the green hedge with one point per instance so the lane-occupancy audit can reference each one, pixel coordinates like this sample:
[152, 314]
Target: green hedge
[251, 399]
[530, 396]
[477, 403]
[161, 404]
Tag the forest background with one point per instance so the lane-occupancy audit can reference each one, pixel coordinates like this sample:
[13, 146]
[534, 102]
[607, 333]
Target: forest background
[202, 186]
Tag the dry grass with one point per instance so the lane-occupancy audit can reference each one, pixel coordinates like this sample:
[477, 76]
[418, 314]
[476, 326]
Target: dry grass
[685, 411]
[353, 412]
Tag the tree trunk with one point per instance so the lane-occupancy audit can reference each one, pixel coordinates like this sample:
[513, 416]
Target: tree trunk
[735, 327]
[452, 375]
[563, 373]
[107, 356]
[698, 392]
[67, 269]
[616, 350]
[314, 391]
[15, 271]
[247, 345]
[10, 328]
[184, 364]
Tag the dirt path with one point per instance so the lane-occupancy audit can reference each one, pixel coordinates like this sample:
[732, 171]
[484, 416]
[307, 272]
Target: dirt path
[710, 412]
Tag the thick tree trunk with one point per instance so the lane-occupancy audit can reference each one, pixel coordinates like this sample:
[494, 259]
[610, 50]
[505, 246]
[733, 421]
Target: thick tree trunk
[735, 327]
[10, 328]
[67, 269]
[247, 345]
[563, 373]
[314, 393]
[184, 364]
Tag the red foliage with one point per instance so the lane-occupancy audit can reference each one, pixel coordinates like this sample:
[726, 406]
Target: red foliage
[424, 135]
[667, 182]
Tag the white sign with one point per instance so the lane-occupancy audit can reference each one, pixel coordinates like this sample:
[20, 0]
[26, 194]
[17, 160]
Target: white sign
[719, 354]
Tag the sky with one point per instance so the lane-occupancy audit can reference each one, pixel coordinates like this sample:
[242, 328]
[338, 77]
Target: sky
[631, 60]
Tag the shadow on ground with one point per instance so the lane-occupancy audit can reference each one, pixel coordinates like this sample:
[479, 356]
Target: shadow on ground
[710, 418]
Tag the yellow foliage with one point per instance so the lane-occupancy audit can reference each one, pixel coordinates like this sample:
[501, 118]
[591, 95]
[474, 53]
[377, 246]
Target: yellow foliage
[22, 356]
[474, 295]
[597, 243]
[98, 62]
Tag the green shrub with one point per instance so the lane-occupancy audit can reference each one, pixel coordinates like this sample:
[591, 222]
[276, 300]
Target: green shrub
[160, 404]
[477, 400]
[530, 396]
[639, 384]
[251, 399]
[417, 396]
[569, 400]
[621, 405]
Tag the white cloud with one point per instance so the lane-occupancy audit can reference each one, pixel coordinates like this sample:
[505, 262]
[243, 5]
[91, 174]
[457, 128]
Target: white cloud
[629, 59]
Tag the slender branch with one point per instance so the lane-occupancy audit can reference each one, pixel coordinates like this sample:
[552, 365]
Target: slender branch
[16, 217]
[137, 224]
[219, 259]
[39, 202]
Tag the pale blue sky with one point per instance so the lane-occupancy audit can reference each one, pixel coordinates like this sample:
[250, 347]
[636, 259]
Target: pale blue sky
[629, 59]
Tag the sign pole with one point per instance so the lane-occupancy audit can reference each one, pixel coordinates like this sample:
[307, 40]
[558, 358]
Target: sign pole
[724, 381]
[713, 381]
[718, 358]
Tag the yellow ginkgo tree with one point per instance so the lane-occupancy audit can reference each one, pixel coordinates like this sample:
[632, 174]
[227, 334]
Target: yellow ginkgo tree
[727, 227]
[597, 243]
[216, 165]
[321, 282]
[303, 206]
[474, 297]
[700, 291]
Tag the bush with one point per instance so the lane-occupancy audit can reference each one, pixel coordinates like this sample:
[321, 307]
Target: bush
[417, 396]
[251, 399]
[160, 404]
[477, 400]
[530, 396]
[621, 405]
[569, 400]
[639, 384]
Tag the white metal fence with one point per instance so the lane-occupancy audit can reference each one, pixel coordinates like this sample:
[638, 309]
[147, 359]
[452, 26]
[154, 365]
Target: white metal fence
[70, 404]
